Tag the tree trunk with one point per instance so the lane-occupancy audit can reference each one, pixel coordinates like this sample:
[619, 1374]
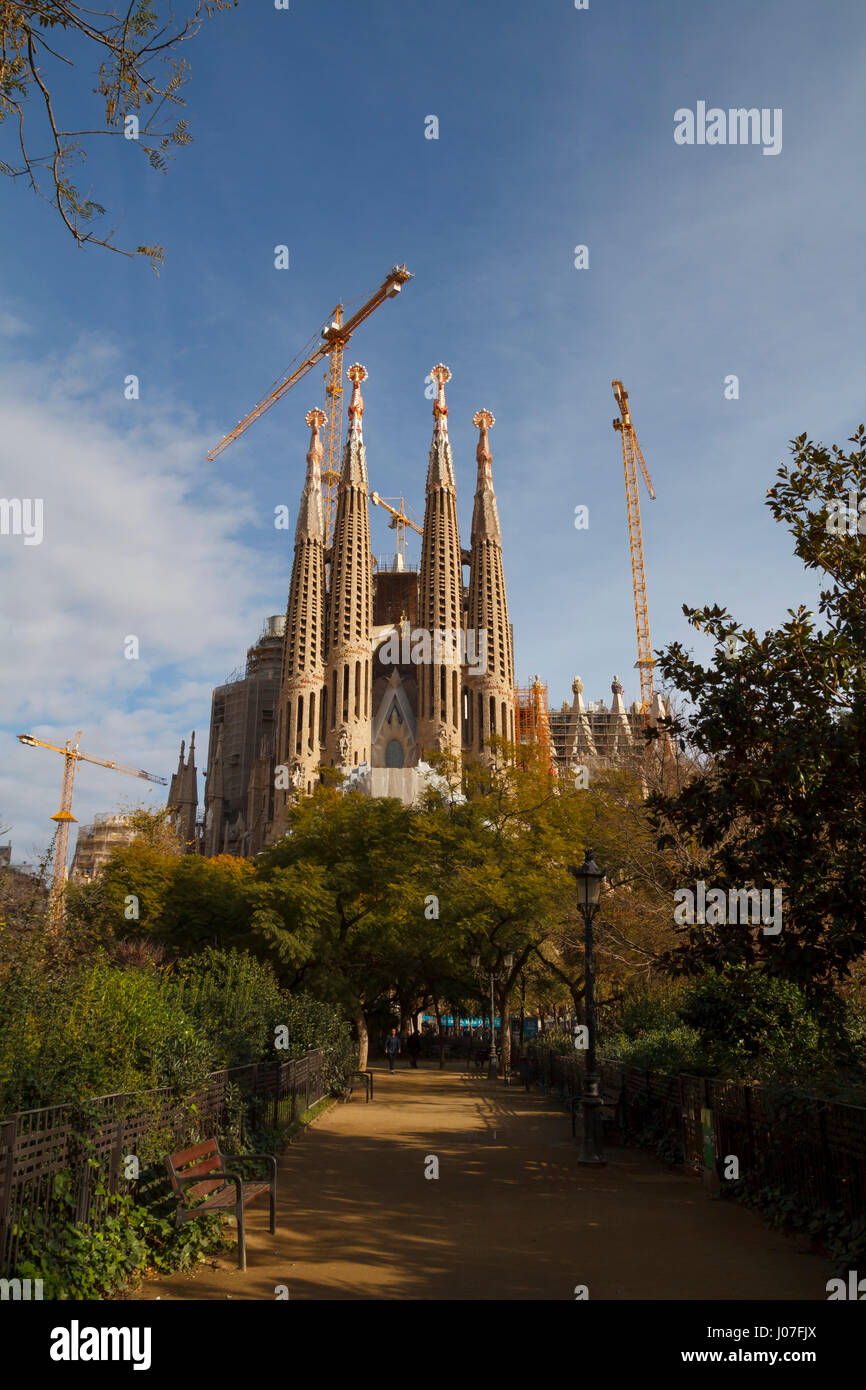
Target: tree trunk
[440, 1043]
[505, 1015]
[363, 1038]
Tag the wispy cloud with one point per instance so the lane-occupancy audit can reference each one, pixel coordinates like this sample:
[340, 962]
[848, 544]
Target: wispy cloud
[140, 539]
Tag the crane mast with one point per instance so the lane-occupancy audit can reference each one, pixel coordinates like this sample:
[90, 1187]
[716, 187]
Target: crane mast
[333, 339]
[632, 458]
[399, 521]
[72, 755]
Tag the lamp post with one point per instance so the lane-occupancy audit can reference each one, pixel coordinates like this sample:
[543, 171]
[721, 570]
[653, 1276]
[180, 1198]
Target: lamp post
[488, 976]
[589, 880]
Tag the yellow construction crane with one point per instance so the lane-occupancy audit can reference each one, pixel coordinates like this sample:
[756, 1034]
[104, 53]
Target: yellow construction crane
[72, 754]
[333, 339]
[631, 457]
[399, 521]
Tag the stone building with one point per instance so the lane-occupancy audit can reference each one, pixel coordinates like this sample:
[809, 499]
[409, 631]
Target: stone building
[95, 842]
[239, 781]
[375, 668]
[592, 735]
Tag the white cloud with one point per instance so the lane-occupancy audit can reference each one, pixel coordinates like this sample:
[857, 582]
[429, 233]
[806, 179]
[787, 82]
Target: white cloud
[140, 537]
[11, 326]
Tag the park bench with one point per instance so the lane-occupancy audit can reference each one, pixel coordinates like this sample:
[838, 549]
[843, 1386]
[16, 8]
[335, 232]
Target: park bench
[201, 1173]
[478, 1060]
[358, 1074]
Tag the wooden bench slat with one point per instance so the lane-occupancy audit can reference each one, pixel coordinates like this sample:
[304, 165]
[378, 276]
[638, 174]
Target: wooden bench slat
[207, 1147]
[198, 1189]
[207, 1165]
[227, 1197]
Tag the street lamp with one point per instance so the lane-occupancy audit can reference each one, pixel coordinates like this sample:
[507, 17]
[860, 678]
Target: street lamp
[589, 880]
[489, 976]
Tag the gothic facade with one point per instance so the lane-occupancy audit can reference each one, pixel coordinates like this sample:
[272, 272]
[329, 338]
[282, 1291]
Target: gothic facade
[380, 666]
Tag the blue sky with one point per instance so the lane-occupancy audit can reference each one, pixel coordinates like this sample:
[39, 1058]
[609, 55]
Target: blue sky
[555, 129]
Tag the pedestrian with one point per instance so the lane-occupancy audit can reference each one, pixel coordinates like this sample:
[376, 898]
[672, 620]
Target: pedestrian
[413, 1047]
[392, 1047]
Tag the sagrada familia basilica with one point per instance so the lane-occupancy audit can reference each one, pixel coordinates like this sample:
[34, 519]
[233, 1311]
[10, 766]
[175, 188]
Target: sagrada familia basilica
[376, 667]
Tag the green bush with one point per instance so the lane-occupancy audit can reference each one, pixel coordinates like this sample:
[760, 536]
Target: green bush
[669, 1050]
[236, 1001]
[754, 1027]
[313, 1025]
[93, 1032]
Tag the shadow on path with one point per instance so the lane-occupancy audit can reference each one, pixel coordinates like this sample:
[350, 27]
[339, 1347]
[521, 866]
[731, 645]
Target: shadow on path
[512, 1214]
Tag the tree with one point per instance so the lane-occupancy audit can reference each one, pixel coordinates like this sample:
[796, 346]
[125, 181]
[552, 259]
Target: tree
[781, 723]
[326, 901]
[137, 75]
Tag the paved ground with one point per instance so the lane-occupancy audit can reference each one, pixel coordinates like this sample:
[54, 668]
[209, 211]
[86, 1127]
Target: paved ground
[511, 1216]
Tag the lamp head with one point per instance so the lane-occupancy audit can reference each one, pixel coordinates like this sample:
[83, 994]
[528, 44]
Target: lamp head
[589, 879]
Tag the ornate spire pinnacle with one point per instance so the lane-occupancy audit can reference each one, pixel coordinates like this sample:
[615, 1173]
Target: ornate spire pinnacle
[310, 524]
[356, 374]
[484, 420]
[485, 514]
[315, 419]
[440, 375]
[440, 471]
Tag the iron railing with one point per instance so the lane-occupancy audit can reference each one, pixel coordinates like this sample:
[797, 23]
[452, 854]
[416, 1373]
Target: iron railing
[67, 1161]
[803, 1146]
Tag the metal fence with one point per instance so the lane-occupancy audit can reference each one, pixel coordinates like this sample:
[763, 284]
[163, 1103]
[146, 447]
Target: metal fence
[67, 1161]
[804, 1147]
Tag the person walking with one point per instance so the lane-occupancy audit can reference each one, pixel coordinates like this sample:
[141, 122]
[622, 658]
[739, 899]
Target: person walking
[392, 1047]
[413, 1047]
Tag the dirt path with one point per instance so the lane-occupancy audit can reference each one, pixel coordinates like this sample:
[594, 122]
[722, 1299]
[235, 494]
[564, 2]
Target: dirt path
[511, 1216]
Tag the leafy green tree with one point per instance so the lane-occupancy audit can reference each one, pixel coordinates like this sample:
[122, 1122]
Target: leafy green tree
[326, 901]
[780, 722]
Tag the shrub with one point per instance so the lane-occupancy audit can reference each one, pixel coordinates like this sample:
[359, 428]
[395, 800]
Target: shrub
[94, 1032]
[754, 1027]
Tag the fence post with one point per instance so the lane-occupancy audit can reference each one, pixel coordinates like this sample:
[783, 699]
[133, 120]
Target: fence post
[116, 1155]
[750, 1125]
[8, 1134]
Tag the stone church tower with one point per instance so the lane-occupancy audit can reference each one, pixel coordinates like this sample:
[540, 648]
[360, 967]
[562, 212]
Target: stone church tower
[299, 716]
[490, 703]
[183, 798]
[440, 608]
[378, 671]
[349, 660]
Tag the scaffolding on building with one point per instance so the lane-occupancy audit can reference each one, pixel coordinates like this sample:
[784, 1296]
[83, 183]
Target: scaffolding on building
[532, 719]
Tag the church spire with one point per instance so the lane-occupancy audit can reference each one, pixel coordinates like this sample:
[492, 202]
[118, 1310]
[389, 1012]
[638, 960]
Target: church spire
[303, 674]
[440, 609]
[310, 525]
[440, 469]
[183, 797]
[491, 683]
[349, 666]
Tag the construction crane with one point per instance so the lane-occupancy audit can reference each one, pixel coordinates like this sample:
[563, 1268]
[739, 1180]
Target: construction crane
[631, 457]
[399, 521]
[333, 339]
[72, 754]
